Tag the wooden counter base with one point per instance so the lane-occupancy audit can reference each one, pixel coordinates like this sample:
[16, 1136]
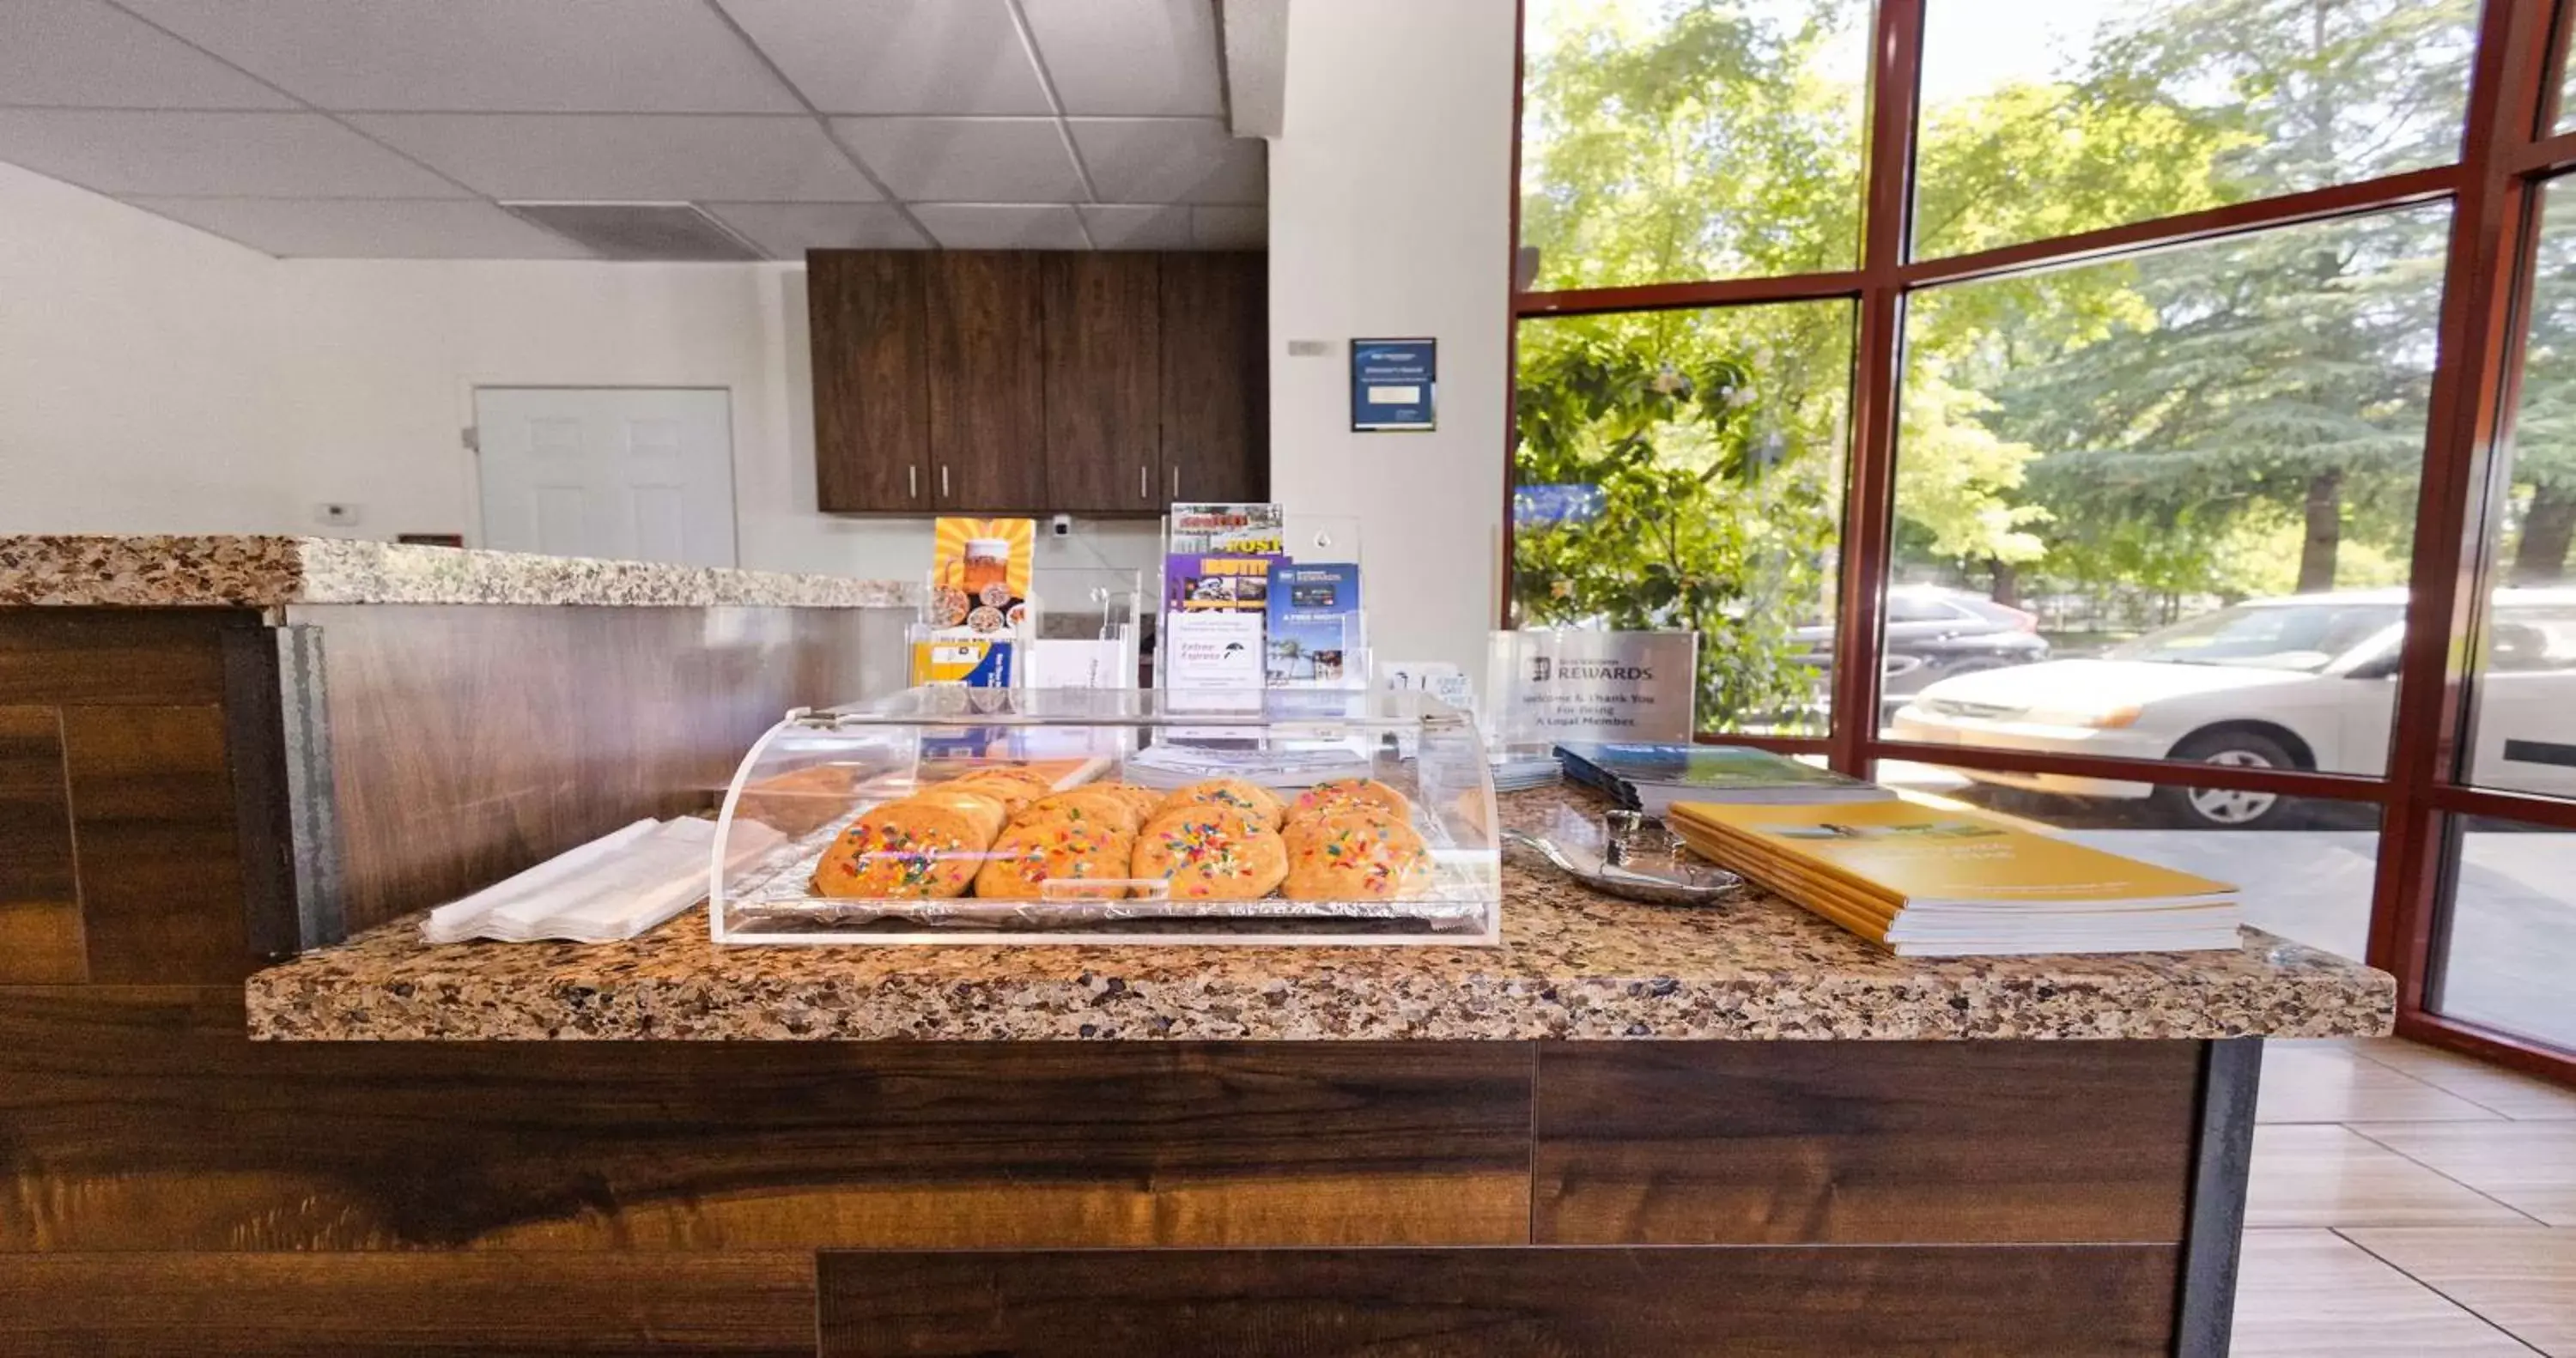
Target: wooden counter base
[575, 1198]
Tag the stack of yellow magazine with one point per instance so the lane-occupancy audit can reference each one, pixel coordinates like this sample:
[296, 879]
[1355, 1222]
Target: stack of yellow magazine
[1930, 881]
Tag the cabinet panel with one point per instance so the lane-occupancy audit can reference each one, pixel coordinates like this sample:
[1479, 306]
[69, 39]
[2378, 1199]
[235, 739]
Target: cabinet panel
[1103, 376]
[1216, 376]
[868, 311]
[987, 382]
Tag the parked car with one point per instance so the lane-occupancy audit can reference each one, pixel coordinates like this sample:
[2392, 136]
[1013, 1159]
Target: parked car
[2303, 682]
[1935, 633]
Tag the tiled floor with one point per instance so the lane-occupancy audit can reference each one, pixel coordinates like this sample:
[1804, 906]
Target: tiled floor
[2407, 1201]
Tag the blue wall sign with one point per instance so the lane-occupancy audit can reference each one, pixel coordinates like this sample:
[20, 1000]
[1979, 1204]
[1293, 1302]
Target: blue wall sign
[1392, 384]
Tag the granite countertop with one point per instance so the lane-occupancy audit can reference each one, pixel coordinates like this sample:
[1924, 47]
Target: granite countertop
[264, 572]
[1573, 964]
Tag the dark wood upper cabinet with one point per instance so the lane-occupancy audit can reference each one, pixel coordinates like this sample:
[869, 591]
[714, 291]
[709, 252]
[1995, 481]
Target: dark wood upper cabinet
[868, 310]
[1216, 376]
[1037, 382]
[987, 380]
[1103, 382]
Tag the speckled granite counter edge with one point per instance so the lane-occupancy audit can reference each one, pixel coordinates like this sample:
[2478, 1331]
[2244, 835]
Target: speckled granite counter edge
[766, 1005]
[260, 572]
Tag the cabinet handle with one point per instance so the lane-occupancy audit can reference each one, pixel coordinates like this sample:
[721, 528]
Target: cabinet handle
[1176, 481]
[1144, 482]
[912, 480]
[943, 480]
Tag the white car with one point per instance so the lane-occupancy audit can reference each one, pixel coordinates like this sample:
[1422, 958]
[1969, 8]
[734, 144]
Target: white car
[2304, 682]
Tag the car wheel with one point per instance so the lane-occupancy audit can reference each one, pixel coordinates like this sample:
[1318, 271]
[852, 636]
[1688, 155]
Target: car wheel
[2212, 808]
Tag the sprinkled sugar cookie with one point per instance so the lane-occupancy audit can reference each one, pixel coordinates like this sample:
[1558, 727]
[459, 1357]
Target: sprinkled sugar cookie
[1083, 805]
[1144, 801]
[983, 805]
[1234, 792]
[1344, 791]
[1362, 859]
[1211, 853]
[1085, 861]
[1015, 788]
[905, 849]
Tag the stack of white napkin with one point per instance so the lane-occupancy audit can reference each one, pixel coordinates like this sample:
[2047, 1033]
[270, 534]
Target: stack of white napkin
[614, 887]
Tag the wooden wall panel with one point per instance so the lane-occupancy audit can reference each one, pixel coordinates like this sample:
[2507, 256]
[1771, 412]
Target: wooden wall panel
[141, 1120]
[40, 914]
[468, 743]
[1863, 1142]
[987, 381]
[158, 850]
[105, 655]
[2047, 1301]
[867, 310]
[750, 1305]
[1216, 376]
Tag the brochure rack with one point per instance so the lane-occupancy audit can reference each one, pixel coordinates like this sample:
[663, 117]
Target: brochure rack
[1309, 638]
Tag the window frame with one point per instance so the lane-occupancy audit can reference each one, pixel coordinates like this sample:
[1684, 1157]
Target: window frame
[2507, 150]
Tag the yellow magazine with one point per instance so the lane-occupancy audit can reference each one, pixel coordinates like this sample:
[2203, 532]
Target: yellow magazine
[1909, 855]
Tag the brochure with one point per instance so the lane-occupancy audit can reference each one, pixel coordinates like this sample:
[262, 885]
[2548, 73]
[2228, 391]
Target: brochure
[1211, 650]
[1653, 777]
[1218, 583]
[1199, 529]
[1314, 625]
[979, 575]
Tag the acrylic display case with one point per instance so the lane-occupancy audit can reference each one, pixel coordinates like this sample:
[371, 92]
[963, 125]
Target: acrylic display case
[820, 782]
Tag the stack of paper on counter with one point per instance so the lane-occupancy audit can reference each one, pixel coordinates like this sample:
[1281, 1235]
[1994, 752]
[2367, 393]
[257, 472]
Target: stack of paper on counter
[1932, 881]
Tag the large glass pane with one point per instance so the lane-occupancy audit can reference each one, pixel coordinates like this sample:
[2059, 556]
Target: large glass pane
[2307, 876]
[2178, 490]
[2045, 117]
[2524, 713]
[1684, 469]
[1690, 139]
[2510, 931]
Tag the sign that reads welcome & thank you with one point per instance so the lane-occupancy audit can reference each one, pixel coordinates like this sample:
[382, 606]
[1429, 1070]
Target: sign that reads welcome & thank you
[1548, 686]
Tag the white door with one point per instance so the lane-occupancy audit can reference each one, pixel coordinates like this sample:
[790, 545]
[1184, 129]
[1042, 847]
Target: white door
[628, 473]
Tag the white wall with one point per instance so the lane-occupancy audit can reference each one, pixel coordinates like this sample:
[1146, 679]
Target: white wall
[1390, 194]
[157, 379]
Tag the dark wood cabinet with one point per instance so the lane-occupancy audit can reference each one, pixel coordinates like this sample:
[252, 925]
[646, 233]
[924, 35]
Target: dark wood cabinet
[1216, 382]
[868, 311]
[987, 381]
[1035, 382]
[1104, 367]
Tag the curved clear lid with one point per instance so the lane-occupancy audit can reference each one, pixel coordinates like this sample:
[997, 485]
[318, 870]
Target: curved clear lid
[1275, 712]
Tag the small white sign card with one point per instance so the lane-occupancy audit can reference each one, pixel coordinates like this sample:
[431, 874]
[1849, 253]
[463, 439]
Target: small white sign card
[1549, 686]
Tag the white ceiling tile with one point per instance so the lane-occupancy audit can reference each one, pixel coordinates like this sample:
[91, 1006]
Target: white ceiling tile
[639, 157]
[606, 56]
[788, 230]
[1127, 226]
[260, 155]
[89, 54]
[1185, 160]
[1230, 228]
[1003, 226]
[374, 228]
[898, 56]
[967, 160]
[1130, 56]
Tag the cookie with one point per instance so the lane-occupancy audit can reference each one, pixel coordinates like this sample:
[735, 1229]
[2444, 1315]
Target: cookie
[905, 849]
[1014, 787]
[1234, 792]
[1083, 806]
[1336, 815]
[1211, 852]
[1081, 861]
[1342, 791]
[1144, 801]
[982, 804]
[1367, 858]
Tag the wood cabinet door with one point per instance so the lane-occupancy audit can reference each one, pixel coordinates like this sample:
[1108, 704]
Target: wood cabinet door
[868, 310]
[1216, 376]
[1103, 382]
[987, 382]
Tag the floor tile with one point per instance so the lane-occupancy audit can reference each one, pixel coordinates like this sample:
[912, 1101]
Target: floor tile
[2325, 1176]
[2509, 1092]
[2531, 1165]
[2322, 1082]
[2518, 1278]
[2311, 1293]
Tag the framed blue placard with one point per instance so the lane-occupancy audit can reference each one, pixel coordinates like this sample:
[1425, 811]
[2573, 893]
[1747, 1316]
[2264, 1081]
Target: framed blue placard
[1393, 382]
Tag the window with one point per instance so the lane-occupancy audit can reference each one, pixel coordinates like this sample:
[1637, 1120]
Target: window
[2510, 944]
[2047, 117]
[2197, 469]
[1684, 469]
[1667, 140]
